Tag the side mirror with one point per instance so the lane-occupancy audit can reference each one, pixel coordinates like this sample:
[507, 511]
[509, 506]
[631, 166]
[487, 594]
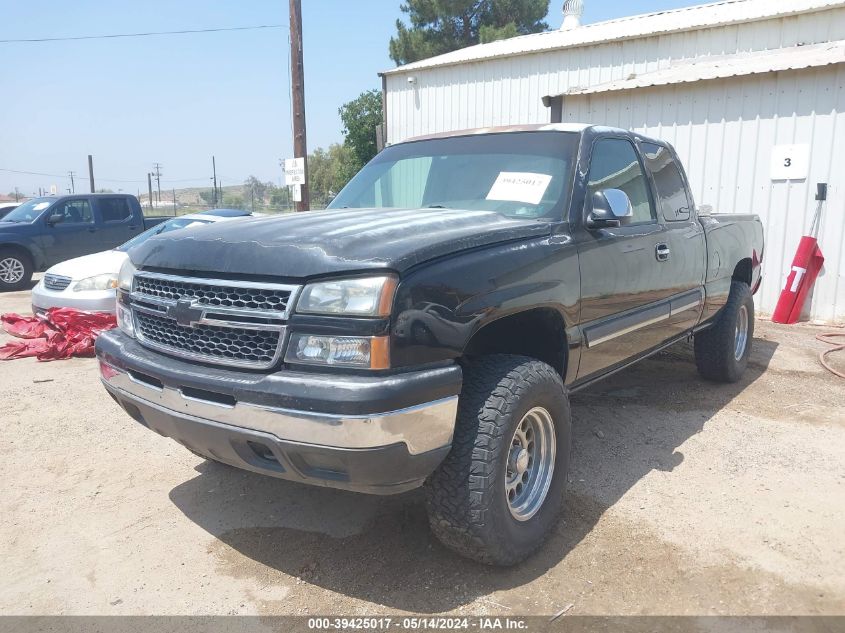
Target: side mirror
[56, 218]
[611, 208]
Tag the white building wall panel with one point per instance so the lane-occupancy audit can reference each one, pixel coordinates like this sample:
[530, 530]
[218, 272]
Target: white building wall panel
[725, 131]
[509, 90]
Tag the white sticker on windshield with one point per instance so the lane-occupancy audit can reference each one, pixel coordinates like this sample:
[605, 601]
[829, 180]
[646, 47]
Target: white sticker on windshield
[41, 206]
[515, 186]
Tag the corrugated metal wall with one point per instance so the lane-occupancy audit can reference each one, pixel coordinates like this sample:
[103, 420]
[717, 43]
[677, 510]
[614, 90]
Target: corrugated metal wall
[510, 90]
[724, 130]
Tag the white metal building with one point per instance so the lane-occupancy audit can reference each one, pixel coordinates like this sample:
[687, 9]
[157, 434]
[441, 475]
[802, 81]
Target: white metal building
[750, 92]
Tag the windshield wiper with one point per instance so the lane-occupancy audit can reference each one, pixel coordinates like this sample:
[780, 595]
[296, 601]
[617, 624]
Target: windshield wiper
[436, 206]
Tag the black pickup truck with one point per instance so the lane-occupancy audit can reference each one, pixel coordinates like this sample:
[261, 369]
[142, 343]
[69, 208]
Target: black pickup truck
[428, 328]
[45, 231]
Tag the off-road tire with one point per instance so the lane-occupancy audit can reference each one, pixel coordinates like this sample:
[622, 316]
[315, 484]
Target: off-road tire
[25, 260]
[715, 347]
[465, 497]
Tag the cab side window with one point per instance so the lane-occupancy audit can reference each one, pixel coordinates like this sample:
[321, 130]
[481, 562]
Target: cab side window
[115, 209]
[615, 165]
[675, 204]
[75, 212]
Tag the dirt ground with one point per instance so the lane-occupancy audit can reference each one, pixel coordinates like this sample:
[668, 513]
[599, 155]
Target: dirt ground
[685, 498]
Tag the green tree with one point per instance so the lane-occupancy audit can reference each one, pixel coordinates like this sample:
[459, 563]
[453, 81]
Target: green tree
[360, 118]
[279, 198]
[441, 26]
[235, 201]
[254, 189]
[328, 172]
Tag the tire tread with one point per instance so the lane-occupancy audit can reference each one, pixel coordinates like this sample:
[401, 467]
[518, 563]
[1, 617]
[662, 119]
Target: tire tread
[714, 347]
[459, 493]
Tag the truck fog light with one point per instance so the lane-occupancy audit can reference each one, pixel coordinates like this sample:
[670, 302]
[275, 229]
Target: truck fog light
[124, 319]
[342, 351]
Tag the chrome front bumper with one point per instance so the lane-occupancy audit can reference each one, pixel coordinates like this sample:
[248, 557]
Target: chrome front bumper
[421, 428]
[371, 434]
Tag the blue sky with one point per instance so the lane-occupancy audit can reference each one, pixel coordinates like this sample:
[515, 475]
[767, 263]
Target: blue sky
[179, 99]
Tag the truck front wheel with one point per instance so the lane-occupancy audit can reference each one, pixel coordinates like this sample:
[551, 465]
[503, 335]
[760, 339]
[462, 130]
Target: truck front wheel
[499, 492]
[722, 351]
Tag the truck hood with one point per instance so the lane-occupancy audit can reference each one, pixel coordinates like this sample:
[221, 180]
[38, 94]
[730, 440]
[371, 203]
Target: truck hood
[329, 242]
[105, 262]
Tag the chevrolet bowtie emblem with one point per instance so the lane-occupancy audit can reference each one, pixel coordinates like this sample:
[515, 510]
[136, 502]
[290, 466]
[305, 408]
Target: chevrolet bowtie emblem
[185, 313]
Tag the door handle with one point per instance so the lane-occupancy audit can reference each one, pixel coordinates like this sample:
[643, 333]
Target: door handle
[662, 252]
[92, 230]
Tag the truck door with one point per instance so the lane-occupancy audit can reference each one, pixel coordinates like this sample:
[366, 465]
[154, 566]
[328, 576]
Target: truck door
[683, 249]
[118, 223]
[74, 236]
[624, 293]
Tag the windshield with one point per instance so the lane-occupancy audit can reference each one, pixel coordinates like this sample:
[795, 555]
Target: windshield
[519, 174]
[29, 211]
[164, 227]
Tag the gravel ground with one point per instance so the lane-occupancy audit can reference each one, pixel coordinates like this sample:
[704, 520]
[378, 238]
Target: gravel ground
[685, 498]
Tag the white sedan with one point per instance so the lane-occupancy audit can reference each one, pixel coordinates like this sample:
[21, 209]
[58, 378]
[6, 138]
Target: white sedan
[88, 283]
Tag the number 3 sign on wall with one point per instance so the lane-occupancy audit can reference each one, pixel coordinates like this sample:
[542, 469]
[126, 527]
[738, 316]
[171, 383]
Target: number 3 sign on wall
[790, 162]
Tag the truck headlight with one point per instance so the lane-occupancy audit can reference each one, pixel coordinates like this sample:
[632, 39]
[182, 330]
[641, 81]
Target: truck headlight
[358, 297]
[98, 282]
[365, 352]
[124, 279]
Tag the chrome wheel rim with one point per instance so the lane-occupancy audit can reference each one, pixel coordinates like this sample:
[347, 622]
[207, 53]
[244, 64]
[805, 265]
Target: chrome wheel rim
[741, 335]
[11, 270]
[531, 464]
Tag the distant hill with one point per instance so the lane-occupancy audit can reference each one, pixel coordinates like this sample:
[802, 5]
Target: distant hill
[189, 196]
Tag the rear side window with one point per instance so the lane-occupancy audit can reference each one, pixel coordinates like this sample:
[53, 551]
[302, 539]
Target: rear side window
[615, 165]
[675, 204]
[115, 209]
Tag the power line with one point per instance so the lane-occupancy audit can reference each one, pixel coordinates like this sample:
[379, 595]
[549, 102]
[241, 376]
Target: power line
[146, 34]
[126, 180]
[33, 173]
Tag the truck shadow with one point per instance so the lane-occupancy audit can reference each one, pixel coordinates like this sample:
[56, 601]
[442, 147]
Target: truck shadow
[380, 550]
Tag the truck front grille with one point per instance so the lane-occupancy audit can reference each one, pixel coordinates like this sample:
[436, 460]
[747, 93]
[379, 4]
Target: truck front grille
[221, 322]
[250, 298]
[56, 282]
[224, 345]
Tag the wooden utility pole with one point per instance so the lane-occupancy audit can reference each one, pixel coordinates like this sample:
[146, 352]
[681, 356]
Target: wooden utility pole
[91, 172]
[214, 169]
[300, 144]
[150, 188]
[157, 167]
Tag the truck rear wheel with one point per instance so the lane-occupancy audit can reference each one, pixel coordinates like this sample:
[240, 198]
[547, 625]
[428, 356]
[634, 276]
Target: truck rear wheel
[499, 492]
[15, 269]
[722, 351]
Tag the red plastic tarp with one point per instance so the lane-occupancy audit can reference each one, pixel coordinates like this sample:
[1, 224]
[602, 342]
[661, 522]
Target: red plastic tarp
[60, 333]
